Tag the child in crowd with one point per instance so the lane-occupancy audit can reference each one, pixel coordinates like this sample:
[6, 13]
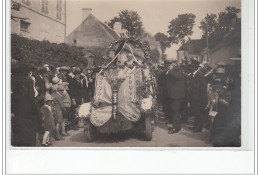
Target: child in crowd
[58, 110]
[48, 119]
[67, 103]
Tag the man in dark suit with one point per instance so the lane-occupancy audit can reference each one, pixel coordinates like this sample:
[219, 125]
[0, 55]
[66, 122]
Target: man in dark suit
[76, 88]
[162, 93]
[198, 98]
[76, 95]
[175, 89]
[25, 108]
[40, 85]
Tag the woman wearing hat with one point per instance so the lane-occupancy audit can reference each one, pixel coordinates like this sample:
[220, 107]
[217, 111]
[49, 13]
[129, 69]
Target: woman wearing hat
[63, 73]
[55, 83]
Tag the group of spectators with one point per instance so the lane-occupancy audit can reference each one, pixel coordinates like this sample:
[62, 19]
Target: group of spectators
[45, 100]
[211, 95]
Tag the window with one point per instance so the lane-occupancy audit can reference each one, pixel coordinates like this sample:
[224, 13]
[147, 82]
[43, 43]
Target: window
[27, 2]
[24, 26]
[59, 9]
[45, 6]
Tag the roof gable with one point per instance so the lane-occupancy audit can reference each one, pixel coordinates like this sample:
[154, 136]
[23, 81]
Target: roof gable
[92, 33]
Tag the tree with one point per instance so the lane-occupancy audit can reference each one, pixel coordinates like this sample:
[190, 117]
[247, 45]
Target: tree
[163, 39]
[209, 25]
[181, 27]
[227, 18]
[216, 26]
[130, 20]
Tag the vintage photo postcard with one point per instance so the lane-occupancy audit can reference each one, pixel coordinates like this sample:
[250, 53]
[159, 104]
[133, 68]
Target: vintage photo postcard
[158, 74]
[160, 81]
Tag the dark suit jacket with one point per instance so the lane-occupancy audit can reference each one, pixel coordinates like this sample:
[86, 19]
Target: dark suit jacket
[175, 84]
[40, 85]
[198, 88]
[75, 89]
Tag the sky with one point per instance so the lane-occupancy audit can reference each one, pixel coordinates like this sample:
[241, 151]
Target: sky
[155, 14]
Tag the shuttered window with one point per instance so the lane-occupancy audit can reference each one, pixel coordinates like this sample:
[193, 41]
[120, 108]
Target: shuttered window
[45, 6]
[59, 9]
[24, 26]
[27, 2]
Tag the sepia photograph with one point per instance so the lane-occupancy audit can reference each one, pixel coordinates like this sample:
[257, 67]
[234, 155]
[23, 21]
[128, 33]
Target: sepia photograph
[146, 73]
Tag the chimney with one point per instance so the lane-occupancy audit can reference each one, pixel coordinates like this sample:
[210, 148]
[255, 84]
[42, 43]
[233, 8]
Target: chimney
[85, 13]
[118, 27]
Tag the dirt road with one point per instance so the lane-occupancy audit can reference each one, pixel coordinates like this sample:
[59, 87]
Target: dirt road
[161, 138]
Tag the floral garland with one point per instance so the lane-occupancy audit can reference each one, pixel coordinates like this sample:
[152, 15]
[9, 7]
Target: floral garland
[147, 61]
[146, 98]
[130, 40]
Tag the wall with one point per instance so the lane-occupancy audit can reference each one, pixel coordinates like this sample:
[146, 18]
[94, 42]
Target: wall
[223, 54]
[181, 54]
[42, 26]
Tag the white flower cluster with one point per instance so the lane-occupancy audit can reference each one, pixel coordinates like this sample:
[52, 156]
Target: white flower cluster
[84, 110]
[147, 103]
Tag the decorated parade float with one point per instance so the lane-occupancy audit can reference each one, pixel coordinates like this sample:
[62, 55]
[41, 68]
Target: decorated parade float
[124, 92]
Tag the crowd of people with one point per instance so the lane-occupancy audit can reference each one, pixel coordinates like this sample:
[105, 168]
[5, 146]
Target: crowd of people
[211, 96]
[45, 100]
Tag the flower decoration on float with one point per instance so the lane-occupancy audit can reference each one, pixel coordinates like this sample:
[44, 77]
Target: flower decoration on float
[147, 103]
[129, 40]
[84, 110]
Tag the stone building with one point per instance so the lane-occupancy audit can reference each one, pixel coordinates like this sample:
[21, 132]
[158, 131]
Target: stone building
[94, 35]
[191, 49]
[91, 33]
[228, 47]
[39, 19]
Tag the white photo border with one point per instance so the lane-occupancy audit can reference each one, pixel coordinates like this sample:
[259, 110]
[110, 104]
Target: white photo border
[131, 160]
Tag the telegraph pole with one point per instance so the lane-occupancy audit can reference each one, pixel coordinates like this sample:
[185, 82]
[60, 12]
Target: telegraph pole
[207, 39]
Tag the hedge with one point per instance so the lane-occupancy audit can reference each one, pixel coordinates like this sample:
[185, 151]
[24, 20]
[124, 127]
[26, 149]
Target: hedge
[28, 51]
